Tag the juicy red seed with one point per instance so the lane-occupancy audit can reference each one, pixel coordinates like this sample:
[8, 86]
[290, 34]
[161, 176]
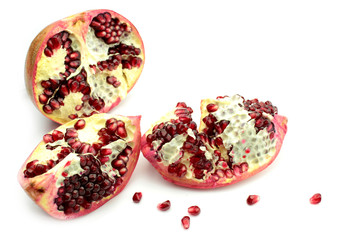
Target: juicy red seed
[121, 132]
[57, 135]
[137, 197]
[43, 98]
[48, 52]
[118, 163]
[48, 138]
[212, 107]
[252, 199]
[105, 151]
[316, 198]
[244, 167]
[80, 124]
[111, 80]
[164, 206]
[181, 170]
[181, 105]
[47, 109]
[194, 210]
[185, 221]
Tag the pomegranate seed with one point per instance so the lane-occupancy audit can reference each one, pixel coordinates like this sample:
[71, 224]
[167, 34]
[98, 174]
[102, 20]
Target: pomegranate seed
[121, 132]
[252, 199]
[137, 197]
[194, 210]
[57, 135]
[212, 107]
[47, 109]
[185, 221]
[105, 151]
[80, 124]
[48, 138]
[43, 98]
[164, 206]
[118, 163]
[316, 198]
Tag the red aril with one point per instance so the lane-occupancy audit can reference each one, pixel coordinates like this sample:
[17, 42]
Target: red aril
[137, 197]
[252, 199]
[315, 199]
[71, 172]
[236, 139]
[83, 64]
[185, 221]
[164, 206]
[194, 210]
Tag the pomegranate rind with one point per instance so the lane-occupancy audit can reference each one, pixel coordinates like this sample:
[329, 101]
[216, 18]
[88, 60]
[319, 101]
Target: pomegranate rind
[77, 24]
[280, 124]
[42, 189]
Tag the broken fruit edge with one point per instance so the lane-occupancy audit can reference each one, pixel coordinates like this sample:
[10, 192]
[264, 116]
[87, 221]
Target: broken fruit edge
[39, 43]
[37, 190]
[280, 123]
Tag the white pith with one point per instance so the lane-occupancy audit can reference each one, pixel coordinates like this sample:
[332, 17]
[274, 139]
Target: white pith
[238, 138]
[72, 162]
[92, 51]
[86, 135]
[240, 134]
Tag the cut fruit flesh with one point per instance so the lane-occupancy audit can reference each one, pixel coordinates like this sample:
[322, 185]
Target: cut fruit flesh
[81, 165]
[73, 71]
[237, 138]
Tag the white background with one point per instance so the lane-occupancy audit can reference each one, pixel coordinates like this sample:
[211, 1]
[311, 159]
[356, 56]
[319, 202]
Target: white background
[304, 56]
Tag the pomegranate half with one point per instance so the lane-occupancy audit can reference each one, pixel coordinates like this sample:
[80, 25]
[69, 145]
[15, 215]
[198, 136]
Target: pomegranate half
[236, 139]
[82, 164]
[83, 64]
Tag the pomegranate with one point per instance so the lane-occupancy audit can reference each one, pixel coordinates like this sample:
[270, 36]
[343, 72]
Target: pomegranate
[83, 64]
[82, 164]
[236, 139]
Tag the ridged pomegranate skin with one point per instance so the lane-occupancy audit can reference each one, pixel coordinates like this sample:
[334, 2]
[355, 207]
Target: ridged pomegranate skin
[39, 43]
[42, 191]
[280, 123]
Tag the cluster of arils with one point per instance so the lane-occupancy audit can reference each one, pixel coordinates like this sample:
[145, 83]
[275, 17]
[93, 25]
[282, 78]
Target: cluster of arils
[109, 29]
[80, 190]
[257, 109]
[91, 183]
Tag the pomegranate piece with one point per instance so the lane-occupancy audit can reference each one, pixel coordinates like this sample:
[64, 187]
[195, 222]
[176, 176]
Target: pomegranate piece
[83, 64]
[137, 197]
[70, 175]
[185, 221]
[164, 206]
[236, 139]
[194, 210]
[252, 199]
[315, 199]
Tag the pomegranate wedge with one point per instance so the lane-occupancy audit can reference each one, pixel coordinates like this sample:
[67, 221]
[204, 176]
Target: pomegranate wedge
[236, 139]
[82, 164]
[83, 64]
